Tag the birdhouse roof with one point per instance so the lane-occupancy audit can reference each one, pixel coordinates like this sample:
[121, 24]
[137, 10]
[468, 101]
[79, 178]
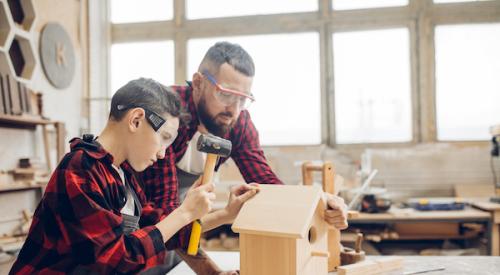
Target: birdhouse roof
[280, 210]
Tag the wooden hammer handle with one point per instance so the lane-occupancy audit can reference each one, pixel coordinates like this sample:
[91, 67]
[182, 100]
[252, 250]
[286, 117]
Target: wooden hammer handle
[208, 173]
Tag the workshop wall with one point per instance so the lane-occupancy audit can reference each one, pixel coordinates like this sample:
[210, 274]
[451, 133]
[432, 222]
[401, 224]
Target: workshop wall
[59, 104]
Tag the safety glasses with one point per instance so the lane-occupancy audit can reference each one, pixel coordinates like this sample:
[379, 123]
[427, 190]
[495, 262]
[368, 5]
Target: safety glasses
[229, 97]
[154, 119]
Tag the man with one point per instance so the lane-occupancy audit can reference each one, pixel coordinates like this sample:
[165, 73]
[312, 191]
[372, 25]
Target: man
[94, 217]
[217, 99]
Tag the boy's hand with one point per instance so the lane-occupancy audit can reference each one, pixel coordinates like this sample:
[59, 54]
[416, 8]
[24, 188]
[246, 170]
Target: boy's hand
[199, 199]
[238, 196]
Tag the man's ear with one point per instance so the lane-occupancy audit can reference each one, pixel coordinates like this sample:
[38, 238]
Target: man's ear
[197, 86]
[135, 117]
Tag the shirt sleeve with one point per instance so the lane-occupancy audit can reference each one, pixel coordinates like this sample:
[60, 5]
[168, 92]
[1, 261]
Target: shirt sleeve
[151, 215]
[250, 158]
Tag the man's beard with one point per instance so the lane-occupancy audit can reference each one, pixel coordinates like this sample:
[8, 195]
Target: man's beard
[209, 121]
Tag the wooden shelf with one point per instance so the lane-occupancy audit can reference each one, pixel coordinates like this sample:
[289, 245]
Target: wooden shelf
[5, 188]
[23, 121]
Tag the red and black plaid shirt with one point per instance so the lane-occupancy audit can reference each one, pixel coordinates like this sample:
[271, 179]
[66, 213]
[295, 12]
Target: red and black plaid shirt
[161, 178]
[78, 221]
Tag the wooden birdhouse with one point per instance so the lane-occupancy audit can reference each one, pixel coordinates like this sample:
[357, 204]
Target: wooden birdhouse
[282, 231]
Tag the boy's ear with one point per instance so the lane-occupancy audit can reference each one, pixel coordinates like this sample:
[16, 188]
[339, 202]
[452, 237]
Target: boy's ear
[135, 118]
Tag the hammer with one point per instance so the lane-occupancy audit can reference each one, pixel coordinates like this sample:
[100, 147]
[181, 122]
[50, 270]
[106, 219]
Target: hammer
[214, 147]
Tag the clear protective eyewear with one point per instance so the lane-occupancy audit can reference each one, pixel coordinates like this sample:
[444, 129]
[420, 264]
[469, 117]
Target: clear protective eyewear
[228, 97]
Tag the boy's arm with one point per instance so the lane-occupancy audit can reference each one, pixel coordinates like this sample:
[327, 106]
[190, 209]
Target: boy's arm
[95, 231]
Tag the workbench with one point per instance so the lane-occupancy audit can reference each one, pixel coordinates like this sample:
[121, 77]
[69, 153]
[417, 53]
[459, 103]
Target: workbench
[456, 265]
[494, 210]
[411, 216]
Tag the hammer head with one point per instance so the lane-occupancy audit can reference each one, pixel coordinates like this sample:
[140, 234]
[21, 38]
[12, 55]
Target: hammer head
[214, 145]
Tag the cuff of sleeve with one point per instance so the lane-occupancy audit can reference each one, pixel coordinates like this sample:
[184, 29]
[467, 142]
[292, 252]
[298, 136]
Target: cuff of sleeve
[152, 241]
[181, 239]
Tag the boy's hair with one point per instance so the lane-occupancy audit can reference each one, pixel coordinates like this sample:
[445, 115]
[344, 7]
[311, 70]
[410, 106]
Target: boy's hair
[149, 94]
[232, 54]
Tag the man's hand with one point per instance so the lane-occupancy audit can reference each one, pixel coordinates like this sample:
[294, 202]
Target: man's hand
[238, 196]
[336, 213]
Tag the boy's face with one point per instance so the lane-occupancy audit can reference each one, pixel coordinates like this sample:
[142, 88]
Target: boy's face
[147, 146]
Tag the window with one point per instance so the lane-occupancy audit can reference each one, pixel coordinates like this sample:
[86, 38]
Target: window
[372, 86]
[197, 9]
[467, 80]
[364, 4]
[129, 11]
[286, 84]
[144, 59]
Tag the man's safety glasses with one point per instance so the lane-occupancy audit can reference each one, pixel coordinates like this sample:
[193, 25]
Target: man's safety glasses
[228, 97]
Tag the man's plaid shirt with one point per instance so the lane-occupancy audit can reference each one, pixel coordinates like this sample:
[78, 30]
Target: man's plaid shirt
[161, 178]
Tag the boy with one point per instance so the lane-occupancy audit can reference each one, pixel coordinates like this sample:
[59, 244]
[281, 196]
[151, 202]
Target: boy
[88, 219]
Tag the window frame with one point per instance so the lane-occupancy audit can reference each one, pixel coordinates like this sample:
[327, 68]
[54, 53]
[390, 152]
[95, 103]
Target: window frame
[420, 17]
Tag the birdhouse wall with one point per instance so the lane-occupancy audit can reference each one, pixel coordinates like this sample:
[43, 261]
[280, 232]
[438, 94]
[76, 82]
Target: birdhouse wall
[317, 240]
[265, 255]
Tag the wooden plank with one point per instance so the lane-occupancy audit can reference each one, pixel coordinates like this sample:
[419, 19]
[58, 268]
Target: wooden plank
[2, 108]
[285, 210]
[495, 240]
[272, 255]
[22, 98]
[6, 95]
[27, 102]
[413, 215]
[22, 101]
[427, 228]
[474, 190]
[46, 148]
[60, 140]
[371, 267]
[14, 95]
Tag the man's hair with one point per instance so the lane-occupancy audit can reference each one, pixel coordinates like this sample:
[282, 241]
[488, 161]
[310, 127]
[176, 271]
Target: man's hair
[150, 94]
[225, 52]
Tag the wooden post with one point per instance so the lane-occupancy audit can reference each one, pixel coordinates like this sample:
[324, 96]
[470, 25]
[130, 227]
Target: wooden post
[46, 147]
[60, 139]
[328, 178]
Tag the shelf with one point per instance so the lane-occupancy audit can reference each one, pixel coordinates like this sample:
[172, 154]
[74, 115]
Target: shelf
[23, 121]
[5, 188]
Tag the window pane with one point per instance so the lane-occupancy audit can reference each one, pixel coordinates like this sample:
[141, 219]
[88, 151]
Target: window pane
[372, 86]
[286, 84]
[467, 80]
[128, 11]
[145, 59]
[223, 8]
[364, 4]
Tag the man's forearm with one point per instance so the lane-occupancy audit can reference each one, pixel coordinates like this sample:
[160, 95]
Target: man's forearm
[215, 219]
[199, 263]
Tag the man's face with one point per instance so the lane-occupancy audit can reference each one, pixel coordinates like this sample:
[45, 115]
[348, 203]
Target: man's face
[148, 146]
[217, 117]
